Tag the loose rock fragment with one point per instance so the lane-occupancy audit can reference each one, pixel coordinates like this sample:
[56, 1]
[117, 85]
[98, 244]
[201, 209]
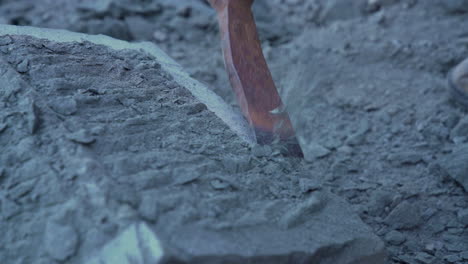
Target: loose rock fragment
[136, 245]
[395, 238]
[404, 216]
[456, 165]
[160, 36]
[196, 108]
[300, 213]
[219, 184]
[379, 200]
[22, 67]
[33, 118]
[5, 40]
[405, 158]
[60, 241]
[313, 150]
[149, 208]
[309, 185]
[261, 151]
[82, 136]
[65, 106]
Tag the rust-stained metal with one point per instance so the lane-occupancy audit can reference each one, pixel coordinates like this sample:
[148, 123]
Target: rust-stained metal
[250, 77]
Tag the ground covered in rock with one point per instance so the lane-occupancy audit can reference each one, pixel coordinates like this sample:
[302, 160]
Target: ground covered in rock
[367, 93]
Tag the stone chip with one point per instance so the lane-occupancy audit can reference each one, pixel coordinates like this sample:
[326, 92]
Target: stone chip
[60, 241]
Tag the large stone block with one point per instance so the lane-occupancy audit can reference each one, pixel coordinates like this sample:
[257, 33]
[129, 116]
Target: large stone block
[120, 131]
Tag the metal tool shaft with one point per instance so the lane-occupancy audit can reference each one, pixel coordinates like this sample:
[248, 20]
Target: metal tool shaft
[250, 77]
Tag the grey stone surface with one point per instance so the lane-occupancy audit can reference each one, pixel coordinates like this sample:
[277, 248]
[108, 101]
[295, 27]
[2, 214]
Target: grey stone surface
[136, 150]
[276, 240]
[456, 164]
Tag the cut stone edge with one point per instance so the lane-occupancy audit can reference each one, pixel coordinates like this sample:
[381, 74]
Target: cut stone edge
[213, 102]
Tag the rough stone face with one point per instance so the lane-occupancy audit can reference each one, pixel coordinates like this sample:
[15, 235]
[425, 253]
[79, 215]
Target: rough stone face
[138, 147]
[281, 241]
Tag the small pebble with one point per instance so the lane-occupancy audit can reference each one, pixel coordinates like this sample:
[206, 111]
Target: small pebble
[395, 238]
[160, 36]
[196, 108]
[313, 151]
[405, 158]
[22, 67]
[218, 184]
[345, 150]
[308, 185]
[64, 106]
[82, 136]
[149, 208]
[60, 241]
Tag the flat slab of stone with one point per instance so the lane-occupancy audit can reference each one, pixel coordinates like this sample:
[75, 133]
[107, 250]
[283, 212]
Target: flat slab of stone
[100, 134]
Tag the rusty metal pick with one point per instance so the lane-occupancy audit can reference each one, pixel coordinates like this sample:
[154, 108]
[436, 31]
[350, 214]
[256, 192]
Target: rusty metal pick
[250, 77]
